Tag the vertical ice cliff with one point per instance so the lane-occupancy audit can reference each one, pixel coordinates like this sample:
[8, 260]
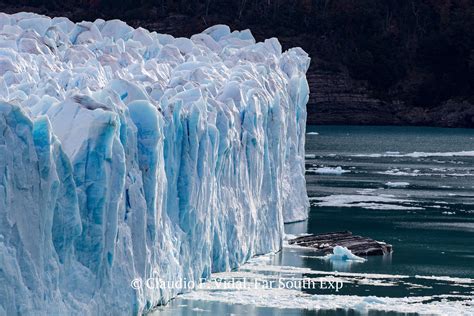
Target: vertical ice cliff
[129, 154]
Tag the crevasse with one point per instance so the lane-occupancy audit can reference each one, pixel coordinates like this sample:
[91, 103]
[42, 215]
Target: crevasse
[129, 154]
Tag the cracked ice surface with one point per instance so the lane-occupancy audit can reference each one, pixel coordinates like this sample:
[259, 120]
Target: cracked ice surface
[125, 153]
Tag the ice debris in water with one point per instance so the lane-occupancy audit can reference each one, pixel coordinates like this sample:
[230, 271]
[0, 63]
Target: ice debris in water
[344, 254]
[328, 170]
[397, 184]
[131, 154]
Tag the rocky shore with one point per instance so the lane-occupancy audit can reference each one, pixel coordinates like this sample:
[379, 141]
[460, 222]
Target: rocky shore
[338, 99]
[358, 245]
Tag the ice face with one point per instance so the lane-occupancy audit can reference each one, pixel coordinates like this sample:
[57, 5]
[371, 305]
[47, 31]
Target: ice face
[130, 154]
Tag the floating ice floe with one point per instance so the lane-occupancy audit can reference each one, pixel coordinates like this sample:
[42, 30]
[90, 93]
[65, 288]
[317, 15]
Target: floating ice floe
[406, 172]
[461, 174]
[343, 254]
[127, 154]
[328, 170]
[419, 154]
[397, 184]
[295, 298]
[375, 202]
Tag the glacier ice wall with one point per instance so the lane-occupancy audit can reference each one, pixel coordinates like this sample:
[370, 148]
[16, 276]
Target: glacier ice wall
[129, 154]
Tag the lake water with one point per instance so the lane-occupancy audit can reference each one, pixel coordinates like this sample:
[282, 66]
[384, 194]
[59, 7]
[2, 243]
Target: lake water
[407, 186]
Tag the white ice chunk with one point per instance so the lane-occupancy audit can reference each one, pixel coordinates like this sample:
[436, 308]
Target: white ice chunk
[397, 184]
[344, 254]
[416, 154]
[328, 170]
[382, 202]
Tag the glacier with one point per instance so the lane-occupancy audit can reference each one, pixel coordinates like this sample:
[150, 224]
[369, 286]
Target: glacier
[130, 154]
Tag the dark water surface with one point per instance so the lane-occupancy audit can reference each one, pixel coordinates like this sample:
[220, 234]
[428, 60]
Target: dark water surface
[437, 237]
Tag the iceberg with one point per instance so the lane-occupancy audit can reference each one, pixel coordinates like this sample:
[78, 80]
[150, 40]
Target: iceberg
[344, 254]
[328, 170]
[127, 155]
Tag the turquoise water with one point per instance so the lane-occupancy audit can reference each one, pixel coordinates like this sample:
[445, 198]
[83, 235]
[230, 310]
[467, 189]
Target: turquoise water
[437, 238]
[410, 187]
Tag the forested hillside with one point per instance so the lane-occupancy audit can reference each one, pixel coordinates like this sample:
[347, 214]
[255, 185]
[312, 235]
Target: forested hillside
[373, 61]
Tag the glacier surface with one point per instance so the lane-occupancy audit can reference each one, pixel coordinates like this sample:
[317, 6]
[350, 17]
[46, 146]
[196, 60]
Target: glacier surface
[129, 154]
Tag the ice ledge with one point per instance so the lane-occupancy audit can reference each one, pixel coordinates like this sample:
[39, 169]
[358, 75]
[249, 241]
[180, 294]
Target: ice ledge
[129, 154]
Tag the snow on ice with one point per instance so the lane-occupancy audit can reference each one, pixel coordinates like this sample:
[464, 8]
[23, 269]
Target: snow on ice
[128, 154]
